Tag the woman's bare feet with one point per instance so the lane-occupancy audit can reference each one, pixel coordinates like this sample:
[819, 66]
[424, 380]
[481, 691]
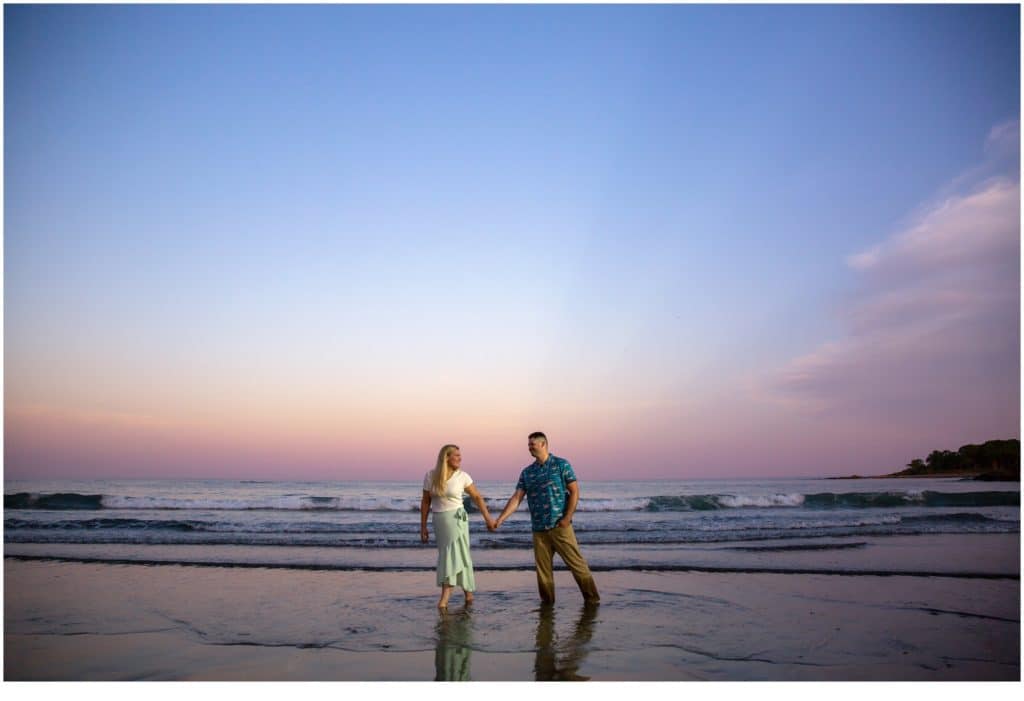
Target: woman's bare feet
[446, 593]
[469, 597]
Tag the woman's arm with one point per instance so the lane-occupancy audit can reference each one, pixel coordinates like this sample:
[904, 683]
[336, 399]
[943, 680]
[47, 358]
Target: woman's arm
[480, 504]
[424, 510]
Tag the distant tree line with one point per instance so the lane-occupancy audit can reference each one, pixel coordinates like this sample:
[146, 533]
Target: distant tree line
[997, 458]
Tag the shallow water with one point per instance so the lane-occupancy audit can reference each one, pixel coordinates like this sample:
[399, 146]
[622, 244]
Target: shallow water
[376, 524]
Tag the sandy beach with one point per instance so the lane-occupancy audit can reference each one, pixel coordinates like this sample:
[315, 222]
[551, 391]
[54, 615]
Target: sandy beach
[85, 621]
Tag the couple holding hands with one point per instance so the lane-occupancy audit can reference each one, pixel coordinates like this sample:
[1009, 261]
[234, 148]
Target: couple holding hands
[551, 492]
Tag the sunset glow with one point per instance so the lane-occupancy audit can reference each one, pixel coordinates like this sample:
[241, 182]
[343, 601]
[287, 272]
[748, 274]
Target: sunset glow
[319, 242]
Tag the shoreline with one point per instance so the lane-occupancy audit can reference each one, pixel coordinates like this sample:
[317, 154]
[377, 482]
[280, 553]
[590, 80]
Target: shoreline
[513, 568]
[986, 555]
[965, 476]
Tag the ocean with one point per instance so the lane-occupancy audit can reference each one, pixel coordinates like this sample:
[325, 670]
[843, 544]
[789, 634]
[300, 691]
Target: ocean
[640, 525]
[889, 579]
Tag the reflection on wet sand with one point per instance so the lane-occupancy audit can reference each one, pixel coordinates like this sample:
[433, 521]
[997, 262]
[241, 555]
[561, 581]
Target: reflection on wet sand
[560, 660]
[454, 638]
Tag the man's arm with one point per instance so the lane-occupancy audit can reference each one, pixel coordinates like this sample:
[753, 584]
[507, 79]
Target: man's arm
[570, 505]
[513, 503]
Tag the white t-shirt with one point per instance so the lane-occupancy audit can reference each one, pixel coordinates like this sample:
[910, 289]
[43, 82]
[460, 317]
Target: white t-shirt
[453, 488]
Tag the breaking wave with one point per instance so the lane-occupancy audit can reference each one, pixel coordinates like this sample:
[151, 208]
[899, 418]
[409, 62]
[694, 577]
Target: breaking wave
[694, 502]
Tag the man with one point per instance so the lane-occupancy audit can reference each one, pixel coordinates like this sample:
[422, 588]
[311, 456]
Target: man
[551, 491]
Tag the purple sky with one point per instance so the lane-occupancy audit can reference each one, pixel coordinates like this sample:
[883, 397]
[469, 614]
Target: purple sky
[319, 242]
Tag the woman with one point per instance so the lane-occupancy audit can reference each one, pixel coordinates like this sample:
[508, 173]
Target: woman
[442, 494]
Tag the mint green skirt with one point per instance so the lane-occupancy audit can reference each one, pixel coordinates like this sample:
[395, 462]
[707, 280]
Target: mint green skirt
[454, 565]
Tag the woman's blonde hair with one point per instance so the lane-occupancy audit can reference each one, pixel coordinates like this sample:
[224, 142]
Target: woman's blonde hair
[442, 472]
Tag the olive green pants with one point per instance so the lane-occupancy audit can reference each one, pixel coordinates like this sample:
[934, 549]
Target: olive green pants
[563, 542]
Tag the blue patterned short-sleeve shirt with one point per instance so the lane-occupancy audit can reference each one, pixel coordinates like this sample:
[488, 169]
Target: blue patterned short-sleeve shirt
[546, 492]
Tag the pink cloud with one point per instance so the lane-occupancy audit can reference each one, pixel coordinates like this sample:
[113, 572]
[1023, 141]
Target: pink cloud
[933, 332]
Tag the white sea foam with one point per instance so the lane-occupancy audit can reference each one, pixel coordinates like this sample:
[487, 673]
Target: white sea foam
[277, 503]
[638, 504]
[766, 500]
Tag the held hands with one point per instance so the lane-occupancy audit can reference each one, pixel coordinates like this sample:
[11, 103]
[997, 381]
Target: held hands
[492, 525]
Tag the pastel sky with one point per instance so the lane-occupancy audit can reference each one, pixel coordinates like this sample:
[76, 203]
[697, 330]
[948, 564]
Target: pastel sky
[318, 242]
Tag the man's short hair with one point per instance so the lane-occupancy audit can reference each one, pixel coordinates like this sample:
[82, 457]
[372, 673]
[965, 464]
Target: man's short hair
[538, 434]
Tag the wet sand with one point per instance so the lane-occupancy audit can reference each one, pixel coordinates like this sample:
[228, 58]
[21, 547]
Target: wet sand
[84, 621]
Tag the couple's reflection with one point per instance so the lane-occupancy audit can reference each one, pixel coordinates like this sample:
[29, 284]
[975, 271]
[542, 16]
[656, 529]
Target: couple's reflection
[454, 638]
[560, 660]
[556, 660]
